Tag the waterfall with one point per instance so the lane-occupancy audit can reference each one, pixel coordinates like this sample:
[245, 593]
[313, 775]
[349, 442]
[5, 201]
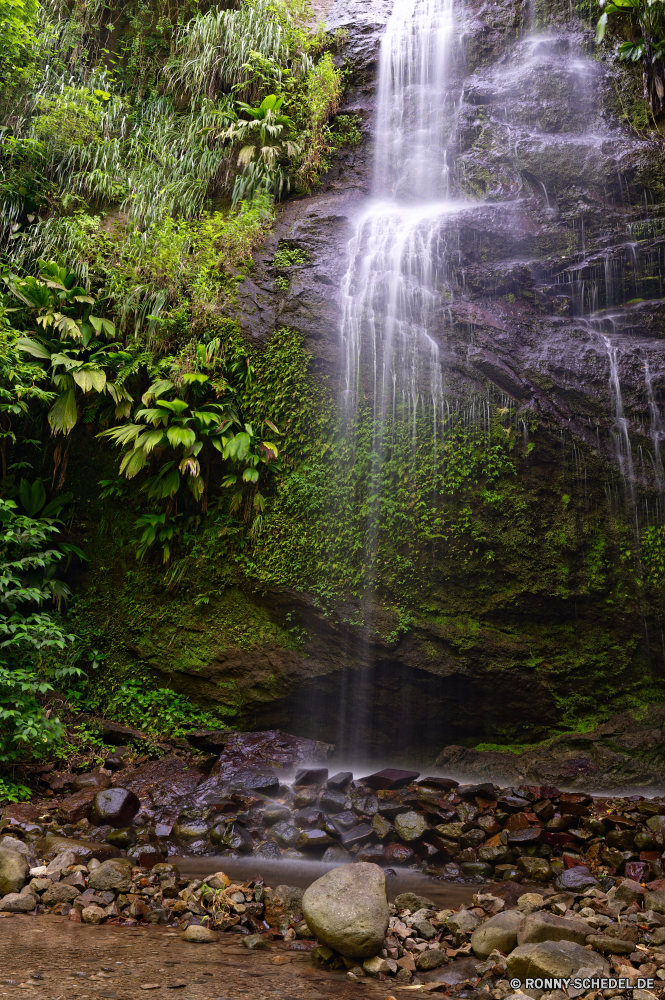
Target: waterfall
[395, 287]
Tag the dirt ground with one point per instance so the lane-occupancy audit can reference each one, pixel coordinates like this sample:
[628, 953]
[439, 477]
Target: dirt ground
[53, 958]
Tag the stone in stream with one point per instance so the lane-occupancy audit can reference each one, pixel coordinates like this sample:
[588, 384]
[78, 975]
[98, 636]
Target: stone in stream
[237, 838]
[13, 871]
[123, 837]
[116, 806]
[311, 776]
[59, 892]
[655, 901]
[76, 807]
[114, 874]
[544, 926]
[410, 901]
[610, 945]
[355, 836]
[336, 855]
[554, 959]
[312, 840]
[340, 781]
[19, 902]
[435, 781]
[332, 801]
[410, 825]
[399, 854]
[285, 834]
[390, 777]
[348, 911]
[345, 820]
[499, 932]
[93, 779]
[199, 934]
[283, 906]
[430, 959]
[268, 849]
[275, 812]
[575, 880]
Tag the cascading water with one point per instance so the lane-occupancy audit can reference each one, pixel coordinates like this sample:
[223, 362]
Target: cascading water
[392, 290]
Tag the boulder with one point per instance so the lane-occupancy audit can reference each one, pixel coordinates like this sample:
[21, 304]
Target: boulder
[430, 959]
[50, 846]
[575, 880]
[283, 905]
[347, 909]
[336, 855]
[59, 892]
[630, 891]
[114, 806]
[537, 869]
[544, 926]
[311, 776]
[553, 959]
[242, 750]
[164, 787]
[611, 945]
[19, 902]
[410, 825]
[63, 860]
[199, 934]
[92, 914]
[112, 874]
[390, 777]
[94, 780]
[13, 871]
[410, 901]
[655, 901]
[76, 807]
[340, 781]
[463, 922]
[499, 932]
[9, 843]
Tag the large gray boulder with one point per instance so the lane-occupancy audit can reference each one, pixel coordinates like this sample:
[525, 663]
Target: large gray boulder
[116, 873]
[544, 926]
[553, 959]
[498, 932]
[347, 909]
[19, 902]
[13, 871]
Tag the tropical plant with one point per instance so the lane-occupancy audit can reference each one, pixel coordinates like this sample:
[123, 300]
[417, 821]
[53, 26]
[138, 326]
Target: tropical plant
[175, 434]
[18, 21]
[35, 648]
[263, 135]
[73, 356]
[648, 48]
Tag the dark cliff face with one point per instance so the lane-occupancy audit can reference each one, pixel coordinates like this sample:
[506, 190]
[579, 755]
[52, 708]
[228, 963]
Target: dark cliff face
[553, 263]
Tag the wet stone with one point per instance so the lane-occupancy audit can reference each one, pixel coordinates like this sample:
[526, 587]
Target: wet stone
[410, 826]
[340, 781]
[332, 801]
[390, 777]
[311, 776]
[116, 806]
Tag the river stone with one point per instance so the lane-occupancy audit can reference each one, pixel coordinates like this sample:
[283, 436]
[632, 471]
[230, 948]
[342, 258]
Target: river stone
[410, 825]
[285, 834]
[92, 914]
[536, 869]
[410, 901]
[59, 892]
[283, 905]
[655, 901]
[93, 779]
[115, 806]
[275, 813]
[13, 871]
[544, 926]
[336, 855]
[312, 840]
[268, 849]
[334, 802]
[498, 932]
[575, 880]
[347, 909]
[430, 959]
[50, 846]
[553, 959]
[630, 891]
[19, 902]
[198, 934]
[463, 922]
[612, 945]
[122, 837]
[114, 874]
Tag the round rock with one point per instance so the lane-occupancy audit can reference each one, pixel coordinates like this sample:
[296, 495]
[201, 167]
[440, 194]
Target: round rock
[198, 934]
[498, 932]
[347, 909]
[13, 871]
[115, 807]
[410, 825]
[575, 879]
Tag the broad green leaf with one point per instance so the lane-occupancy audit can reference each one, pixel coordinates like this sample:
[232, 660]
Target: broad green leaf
[90, 378]
[270, 447]
[63, 416]
[181, 437]
[132, 462]
[175, 405]
[250, 476]
[33, 496]
[34, 347]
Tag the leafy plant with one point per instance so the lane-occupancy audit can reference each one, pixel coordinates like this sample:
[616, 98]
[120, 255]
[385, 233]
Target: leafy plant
[160, 710]
[14, 791]
[264, 139]
[648, 48]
